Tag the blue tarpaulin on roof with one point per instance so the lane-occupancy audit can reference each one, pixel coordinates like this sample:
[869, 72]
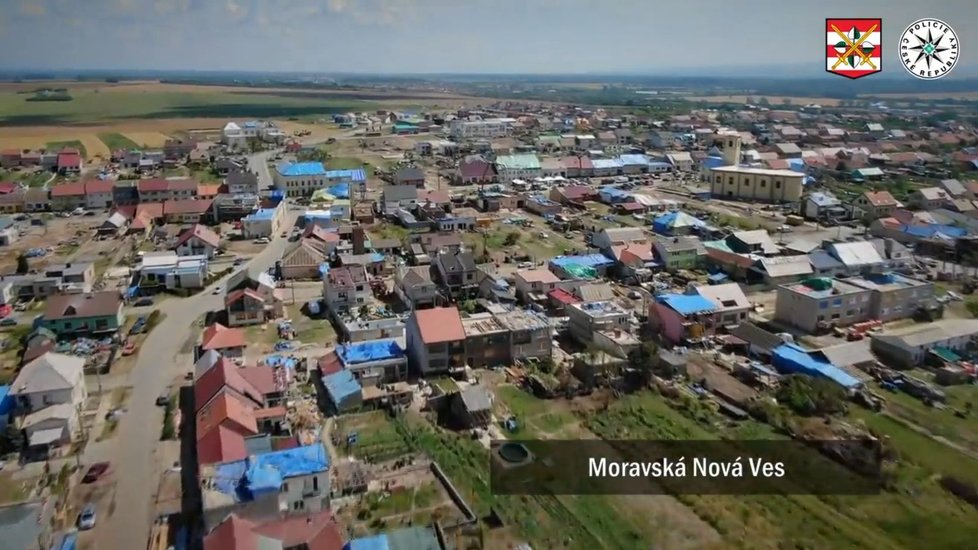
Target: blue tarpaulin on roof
[340, 190]
[586, 260]
[671, 221]
[687, 304]
[341, 387]
[375, 350]
[793, 359]
[376, 542]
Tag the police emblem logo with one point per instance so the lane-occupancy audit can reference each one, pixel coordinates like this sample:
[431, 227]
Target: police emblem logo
[853, 47]
[929, 49]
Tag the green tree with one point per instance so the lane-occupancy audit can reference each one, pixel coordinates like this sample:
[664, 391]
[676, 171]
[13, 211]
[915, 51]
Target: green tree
[13, 439]
[512, 238]
[23, 266]
[808, 396]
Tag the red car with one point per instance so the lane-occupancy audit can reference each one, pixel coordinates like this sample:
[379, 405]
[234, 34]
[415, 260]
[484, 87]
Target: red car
[95, 471]
[129, 348]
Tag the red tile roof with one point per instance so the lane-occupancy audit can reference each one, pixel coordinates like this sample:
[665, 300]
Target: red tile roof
[187, 206]
[71, 189]
[238, 294]
[208, 190]
[218, 337]
[99, 186]
[228, 410]
[434, 197]
[563, 297]
[329, 364]
[221, 444]
[577, 192]
[182, 184]
[151, 210]
[261, 377]
[316, 531]
[313, 531]
[441, 324]
[881, 198]
[318, 232]
[152, 185]
[224, 373]
[580, 163]
[8, 187]
[69, 158]
[234, 533]
[202, 233]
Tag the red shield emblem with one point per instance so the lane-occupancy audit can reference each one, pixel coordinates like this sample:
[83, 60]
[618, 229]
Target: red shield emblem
[853, 47]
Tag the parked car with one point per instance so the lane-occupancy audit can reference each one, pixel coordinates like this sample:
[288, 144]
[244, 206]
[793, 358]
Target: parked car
[143, 302]
[217, 291]
[163, 400]
[262, 240]
[8, 322]
[129, 348]
[95, 471]
[86, 520]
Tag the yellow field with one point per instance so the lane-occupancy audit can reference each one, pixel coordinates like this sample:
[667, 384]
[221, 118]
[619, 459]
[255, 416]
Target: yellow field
[149, 139]
[93, 145]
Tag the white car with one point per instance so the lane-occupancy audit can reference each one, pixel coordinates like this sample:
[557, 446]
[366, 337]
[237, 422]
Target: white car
[216, 291]
[262, 240]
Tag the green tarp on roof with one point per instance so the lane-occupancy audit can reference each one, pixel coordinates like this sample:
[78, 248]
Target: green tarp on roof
[946, 354]
[581, 272]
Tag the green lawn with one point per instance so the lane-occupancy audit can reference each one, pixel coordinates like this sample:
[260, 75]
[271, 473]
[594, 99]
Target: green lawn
[589, 522]
[314, 331]
[941, 422]
[116, 141]
[35, 178]
[91, 105]
[536, 418]
[377, 437]
[59, 145]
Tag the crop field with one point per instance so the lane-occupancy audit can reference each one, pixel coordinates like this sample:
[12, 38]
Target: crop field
[114, 140]
[104, 116]
[774, 100]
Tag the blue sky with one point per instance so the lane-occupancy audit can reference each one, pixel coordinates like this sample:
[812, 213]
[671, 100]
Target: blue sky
[473, 36]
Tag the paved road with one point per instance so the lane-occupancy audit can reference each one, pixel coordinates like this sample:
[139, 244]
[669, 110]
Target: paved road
[161, 360]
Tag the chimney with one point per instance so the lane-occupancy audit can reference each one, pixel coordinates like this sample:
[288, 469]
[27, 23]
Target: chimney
[359, 239]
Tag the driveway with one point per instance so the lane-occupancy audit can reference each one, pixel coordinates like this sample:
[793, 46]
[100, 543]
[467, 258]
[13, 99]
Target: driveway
[163, 358]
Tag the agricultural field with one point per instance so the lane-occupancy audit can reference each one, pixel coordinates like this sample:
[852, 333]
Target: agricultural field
[115, 140]
[772, 99]
[103, 116]
[891, 519]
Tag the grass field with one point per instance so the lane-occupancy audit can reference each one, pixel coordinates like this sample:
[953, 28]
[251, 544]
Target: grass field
[115, 140]
[147, 139]
[113, 104]
[377, 437]
[888, 520]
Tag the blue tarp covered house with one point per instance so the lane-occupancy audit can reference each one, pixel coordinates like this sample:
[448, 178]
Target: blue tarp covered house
[344, 390]
[793, 359]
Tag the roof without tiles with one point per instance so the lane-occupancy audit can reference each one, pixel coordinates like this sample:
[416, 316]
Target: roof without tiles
[438, 325]
[95, 304]
[49, 372]
[202, 233]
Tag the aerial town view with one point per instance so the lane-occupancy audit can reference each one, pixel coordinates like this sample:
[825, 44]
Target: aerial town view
[303, 275]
